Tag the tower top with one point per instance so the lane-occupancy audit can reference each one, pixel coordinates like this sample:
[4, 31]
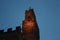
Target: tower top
[30, 14]
[29, 9]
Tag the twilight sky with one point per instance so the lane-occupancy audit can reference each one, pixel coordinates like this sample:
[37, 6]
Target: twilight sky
[47, 13]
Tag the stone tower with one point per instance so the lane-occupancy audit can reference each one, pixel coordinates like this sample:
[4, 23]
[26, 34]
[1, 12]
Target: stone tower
[29, 26]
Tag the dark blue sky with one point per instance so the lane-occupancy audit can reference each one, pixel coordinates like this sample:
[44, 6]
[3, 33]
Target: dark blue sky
[47, 13]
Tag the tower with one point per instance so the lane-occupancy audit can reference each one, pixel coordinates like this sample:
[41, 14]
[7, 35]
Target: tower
[29, 26]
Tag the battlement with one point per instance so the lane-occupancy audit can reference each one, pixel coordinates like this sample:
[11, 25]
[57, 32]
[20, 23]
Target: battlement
[18, 28]
[10, 30]
[1, 31]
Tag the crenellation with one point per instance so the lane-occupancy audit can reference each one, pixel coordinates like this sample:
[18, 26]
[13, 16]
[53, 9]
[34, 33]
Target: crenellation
[1, 31]
[18, 28]
[9, 30]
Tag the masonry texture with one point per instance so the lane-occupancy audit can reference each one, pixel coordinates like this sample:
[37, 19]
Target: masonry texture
[29, 30]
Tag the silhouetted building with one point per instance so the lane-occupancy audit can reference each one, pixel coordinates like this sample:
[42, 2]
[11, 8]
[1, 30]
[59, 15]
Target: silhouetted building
[11, 35]
[29, 30]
